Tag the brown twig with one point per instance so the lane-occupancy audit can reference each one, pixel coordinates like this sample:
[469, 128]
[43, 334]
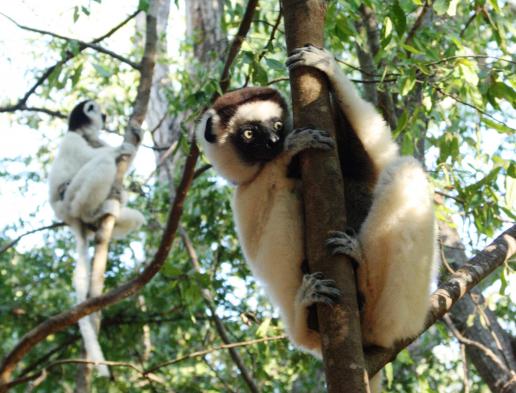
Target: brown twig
[464, 340]
[269, 43]
[13, 242]
[476, 108]
[237, 42]
[418, 23]
[450, 291]
[219, 325]
[210, 350]
[95, 47]
[22, 102]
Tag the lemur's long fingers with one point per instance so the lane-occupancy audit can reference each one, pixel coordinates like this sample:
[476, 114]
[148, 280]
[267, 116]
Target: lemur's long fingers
[293, 59]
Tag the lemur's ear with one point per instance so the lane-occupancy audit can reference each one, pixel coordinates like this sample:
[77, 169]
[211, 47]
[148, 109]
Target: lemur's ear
[208, 131]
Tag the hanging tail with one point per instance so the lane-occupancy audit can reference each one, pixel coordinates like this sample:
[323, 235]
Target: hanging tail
[81, 280]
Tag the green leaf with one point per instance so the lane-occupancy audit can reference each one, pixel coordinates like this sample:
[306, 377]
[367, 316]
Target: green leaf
[85, 10]
[398, 18]
[275, 65]
[468, 71]
[500, 127]
[441, 6]
[411, 49]
[102, 71]
[496, 7]
[501, 90]
[143, 5]
[389, 374]
[408, 85]
[76, 76]
[75, 14]
[263, 328]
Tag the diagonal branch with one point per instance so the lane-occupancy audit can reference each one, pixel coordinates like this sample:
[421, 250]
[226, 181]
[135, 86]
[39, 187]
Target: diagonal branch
[71, 316]
[210, 350]
[95, 47]
[449, 292]
[13, 242]
[22, 102]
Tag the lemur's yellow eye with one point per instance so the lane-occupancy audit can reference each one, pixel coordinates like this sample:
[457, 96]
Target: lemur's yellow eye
[248, 134]
[278, 125]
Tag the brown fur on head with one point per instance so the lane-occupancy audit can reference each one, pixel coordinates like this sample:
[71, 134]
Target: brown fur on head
[226, 105]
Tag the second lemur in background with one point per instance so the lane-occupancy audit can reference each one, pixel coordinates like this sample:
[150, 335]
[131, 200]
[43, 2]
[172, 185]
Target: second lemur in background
[80, 181]
[248, 138]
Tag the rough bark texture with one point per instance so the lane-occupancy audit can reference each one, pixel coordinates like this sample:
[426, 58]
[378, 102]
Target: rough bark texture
[483, 329]
[323, 191]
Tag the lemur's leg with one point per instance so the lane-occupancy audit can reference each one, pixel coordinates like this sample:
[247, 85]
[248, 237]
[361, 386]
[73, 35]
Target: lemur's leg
[127, 221]
[90, 187]
[396, 245]
[367, 123]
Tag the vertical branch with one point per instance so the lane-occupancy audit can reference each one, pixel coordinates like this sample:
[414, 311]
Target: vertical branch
[132, 135]
[324, 205]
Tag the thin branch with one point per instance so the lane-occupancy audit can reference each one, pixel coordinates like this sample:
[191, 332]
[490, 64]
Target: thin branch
[219, 325]
[210, 350]
[418, 23]
[468, 22]
[464, 367]
[13, 242]
[269, 42]
[44, 371]
[96, 47]
[45, 357]
[201, 170]
[237, 42]
[49, 112]
[22, 102]
[451, 58]
[450, 291]
[133, 135]
[464, 340]
[71, 316]
[476, 108]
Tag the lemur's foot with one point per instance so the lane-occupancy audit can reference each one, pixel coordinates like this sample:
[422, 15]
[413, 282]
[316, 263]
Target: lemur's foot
[109, 206]
[345, 243]
[311, 56]
[137, 132]
[126, 149]
[308, 138]
[316, 289]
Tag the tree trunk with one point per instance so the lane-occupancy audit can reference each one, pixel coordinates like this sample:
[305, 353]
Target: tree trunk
[324, 191]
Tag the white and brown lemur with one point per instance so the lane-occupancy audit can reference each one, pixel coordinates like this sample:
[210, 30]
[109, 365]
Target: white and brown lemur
[80, 181]
[247, 137]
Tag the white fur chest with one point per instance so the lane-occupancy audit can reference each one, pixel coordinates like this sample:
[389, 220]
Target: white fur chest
[269, 220]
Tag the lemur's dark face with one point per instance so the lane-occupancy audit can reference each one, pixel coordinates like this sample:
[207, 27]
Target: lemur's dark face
[86, 113]
[259, 141]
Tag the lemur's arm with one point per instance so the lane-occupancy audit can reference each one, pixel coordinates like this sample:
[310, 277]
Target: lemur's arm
[368, 124]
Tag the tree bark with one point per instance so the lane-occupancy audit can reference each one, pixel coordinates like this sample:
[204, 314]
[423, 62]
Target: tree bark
[323, 191]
